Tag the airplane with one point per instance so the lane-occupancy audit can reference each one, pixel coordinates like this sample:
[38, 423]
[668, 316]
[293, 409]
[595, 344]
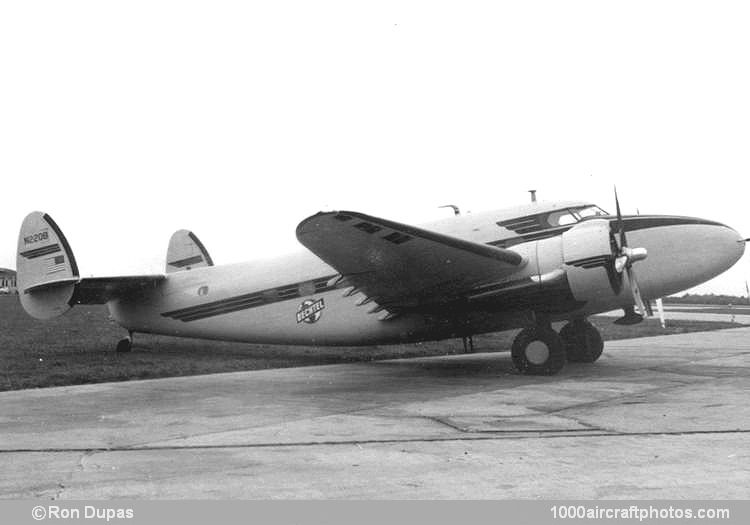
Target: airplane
[364, 280]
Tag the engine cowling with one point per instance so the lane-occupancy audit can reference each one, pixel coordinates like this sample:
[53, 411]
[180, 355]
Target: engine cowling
[588, 261]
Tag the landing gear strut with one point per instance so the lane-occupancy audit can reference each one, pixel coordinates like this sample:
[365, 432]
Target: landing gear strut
[125, 344]
[538, 351]
[583, 342]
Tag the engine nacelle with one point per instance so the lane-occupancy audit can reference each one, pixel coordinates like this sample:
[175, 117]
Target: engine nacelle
[588, 262]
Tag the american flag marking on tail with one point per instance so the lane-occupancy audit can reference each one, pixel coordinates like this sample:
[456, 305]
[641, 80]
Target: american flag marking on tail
[55, 264]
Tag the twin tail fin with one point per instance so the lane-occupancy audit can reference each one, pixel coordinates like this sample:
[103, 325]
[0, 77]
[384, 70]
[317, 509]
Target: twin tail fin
[185, 252]
[46, 268]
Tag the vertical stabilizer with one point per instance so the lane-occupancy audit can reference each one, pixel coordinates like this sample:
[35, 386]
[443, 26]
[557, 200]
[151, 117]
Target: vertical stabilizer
[186, 251]
[46, 269]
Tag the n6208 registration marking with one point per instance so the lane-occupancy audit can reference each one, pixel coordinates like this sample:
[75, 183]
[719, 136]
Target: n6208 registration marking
[310, 311]
[31, 239]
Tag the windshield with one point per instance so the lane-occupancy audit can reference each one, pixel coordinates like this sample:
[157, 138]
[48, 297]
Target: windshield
[574, 215]
[589, 211]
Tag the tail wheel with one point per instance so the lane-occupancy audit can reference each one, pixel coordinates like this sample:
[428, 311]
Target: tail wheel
[538, 351]
[583, 342]
[125, 345]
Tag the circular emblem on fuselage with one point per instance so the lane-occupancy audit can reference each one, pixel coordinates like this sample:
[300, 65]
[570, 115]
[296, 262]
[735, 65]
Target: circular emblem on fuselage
[310, 311]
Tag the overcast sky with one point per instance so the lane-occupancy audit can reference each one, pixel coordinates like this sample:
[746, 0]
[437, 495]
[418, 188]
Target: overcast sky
[128, 120]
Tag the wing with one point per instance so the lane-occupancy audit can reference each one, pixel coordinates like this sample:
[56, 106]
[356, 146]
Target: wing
[401, 266]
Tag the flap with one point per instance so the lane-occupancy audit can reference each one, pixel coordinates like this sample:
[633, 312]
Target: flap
[398, 265]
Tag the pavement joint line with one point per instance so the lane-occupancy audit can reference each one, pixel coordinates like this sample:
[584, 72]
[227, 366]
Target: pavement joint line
[468, 430]
[498, 436]
[354, 412]
[640, 393]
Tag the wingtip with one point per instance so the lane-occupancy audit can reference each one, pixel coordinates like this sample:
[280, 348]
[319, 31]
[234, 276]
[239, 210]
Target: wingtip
[300, 230]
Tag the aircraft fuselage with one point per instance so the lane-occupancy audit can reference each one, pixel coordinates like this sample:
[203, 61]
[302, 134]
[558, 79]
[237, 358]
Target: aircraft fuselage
[294, 299]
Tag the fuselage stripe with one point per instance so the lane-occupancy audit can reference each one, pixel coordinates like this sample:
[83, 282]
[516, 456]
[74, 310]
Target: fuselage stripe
[250, 300]
[631, 223]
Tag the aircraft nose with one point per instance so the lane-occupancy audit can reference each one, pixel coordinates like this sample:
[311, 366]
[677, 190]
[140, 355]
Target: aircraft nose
[733, 246]
[721, 249]
[684, 252]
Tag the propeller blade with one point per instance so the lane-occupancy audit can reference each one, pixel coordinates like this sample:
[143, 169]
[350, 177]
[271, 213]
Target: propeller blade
[649, 310]
[636, 292]
[660, 309]
[620, 223]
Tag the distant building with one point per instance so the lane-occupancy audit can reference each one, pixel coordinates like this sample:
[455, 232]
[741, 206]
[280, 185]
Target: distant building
[7, 281]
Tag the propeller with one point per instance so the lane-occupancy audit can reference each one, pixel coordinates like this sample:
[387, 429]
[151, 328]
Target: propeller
[624, 259]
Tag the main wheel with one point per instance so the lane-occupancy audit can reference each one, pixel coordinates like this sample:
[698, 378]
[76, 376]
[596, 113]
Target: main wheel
[125, 345]
[583, 342]
[538, 351]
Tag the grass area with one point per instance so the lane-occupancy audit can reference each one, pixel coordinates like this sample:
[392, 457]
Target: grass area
[79, 348]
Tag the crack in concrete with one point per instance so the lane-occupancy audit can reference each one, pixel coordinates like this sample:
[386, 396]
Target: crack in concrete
[78, 467]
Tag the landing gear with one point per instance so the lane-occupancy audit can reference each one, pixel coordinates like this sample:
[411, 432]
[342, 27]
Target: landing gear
[538, 351]
[125, 344]
[583, 342]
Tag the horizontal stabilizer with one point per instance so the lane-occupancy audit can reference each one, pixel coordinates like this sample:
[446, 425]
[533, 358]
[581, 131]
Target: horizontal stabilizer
[99, 290]
[51, 285]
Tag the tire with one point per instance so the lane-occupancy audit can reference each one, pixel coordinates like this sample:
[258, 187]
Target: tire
[538, 351]
[124, 345]
[583, 342]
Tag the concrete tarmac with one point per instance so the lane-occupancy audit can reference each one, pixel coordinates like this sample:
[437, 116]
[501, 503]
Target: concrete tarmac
[660, 417]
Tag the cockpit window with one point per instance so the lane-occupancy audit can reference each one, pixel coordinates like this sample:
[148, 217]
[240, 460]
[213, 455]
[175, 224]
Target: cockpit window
[590, 211]
[561, 218]
[574, 215]
[533, 224]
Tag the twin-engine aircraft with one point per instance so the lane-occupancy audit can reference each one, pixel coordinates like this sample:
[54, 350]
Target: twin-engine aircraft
[366, 280]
